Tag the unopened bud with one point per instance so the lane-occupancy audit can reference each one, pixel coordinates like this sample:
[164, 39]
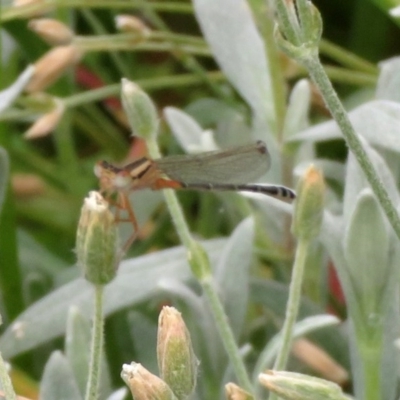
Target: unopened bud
[320, 361]
[294, 386]
[144, 385]
[52, 66]
[97, 240]
[46, 123]
[235, 392]
[176, 359]
[309, 206]
[130, 23]
[139, 108]
[51, 31]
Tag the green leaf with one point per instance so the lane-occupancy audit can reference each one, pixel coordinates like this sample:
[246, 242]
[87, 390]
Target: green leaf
[77, 347]
[232, 274]
[136, 281]
[187, 131]
[58, 381]
[356, 181]
[230, 30]
[388, 84]
[377, 121]
[297, 112]
[366, 246]
[7, 96]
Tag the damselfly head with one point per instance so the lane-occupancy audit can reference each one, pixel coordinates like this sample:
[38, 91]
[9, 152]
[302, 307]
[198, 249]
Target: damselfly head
[112, 178]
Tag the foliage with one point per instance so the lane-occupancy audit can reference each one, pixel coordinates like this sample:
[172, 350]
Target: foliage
[233, 85]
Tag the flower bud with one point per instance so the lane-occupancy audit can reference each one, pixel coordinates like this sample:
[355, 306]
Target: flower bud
[294, 386]
[320, 361]
[130, 23]
[144, 385]
[176, 360]
[308, 210]
[52, 66]
[97, 240]
[46, 123]
[235, 392]
[51, 31]
[141, 112]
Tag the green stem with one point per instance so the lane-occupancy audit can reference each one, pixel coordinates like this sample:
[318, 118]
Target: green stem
[341, 75]
[146, 84]
[346, 58]
[371, 360]
[372, 373]
[93, 44]
[11, 12]
[292, 306]
[132, 39]
[202, 271]
[338, 112]
[96, 350]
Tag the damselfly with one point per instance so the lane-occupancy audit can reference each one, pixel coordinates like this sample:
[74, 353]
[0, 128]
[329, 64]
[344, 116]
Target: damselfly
[230, 169]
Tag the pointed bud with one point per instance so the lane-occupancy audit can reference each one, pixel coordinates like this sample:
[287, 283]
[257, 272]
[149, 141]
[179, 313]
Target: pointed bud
[294, 386]
[97, 240]
[130, 23]
[51, 31]
[320, 361]
[235, 392]
[52, 66]
[144, 385]
[139, 108]
[27, 185]
[46, 123]
[176, 359]
[309, 206]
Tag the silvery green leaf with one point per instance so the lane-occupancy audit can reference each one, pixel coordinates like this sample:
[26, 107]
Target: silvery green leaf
[377, 121]
[274, 212]
[232, 274]
[77, 347]
[296, 118]
[230, 124]
[356, 181]
[143, 331]
[137, 280]
[7, 96]
[366, 247]
[231, 32]
[389, 80]
[188, 132]
[58, 381]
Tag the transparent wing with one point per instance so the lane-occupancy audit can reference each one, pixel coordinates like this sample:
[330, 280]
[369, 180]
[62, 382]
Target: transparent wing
[237, 165]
